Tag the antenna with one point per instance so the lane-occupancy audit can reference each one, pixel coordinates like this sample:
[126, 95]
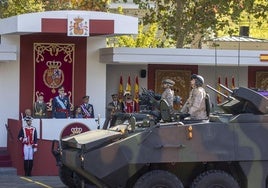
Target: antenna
[215, 45]
[238, 60]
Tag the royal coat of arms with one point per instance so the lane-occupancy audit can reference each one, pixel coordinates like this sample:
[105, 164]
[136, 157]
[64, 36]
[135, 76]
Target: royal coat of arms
[78, 26]
[53, 76]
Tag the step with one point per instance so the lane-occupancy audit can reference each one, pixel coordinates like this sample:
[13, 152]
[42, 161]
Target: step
[8, 171]
[5, 160]
[6, 163]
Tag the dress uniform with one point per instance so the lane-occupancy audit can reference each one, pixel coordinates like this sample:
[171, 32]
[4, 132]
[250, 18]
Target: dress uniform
[114, 106]
[28, 137]
[129, 105]
[87, 109]
[61, 105]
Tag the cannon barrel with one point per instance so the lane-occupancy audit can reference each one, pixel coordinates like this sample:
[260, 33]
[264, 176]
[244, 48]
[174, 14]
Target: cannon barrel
[220, 93]
[226, 88]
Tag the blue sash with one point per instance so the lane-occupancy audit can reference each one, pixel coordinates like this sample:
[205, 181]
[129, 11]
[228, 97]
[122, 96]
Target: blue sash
[61, 103]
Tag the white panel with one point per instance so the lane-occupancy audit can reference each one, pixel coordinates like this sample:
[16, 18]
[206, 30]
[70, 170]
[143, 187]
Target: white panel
[9, 95]
[96, 75]
[52, 128]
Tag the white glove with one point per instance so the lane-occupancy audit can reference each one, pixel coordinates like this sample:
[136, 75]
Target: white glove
[24, 140]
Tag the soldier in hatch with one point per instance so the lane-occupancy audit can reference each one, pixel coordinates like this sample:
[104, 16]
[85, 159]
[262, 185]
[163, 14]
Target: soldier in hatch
[168, 93]
[195, 106]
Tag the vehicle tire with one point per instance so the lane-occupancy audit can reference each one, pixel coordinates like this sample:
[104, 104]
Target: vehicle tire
[214, 179]
[66, 176]
[158, 179]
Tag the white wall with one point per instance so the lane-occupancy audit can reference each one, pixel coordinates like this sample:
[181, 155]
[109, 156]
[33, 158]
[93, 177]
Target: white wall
[96, 77]
[113, 78]
[9, 95]
[212, 73]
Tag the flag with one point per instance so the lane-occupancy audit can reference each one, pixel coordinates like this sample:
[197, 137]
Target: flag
[128, 86]
[136, 95]
[226, 85]
[233, 83]
[219, 89]
[121, 90]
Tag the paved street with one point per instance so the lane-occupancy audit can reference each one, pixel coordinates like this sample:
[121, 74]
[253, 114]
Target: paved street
[30, 182]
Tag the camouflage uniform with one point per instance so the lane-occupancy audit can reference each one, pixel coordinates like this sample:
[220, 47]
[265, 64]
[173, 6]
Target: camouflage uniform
[168, 95]
[195, 104]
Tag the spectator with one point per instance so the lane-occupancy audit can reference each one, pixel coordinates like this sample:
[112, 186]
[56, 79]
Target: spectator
[78, 113]
[40, 107]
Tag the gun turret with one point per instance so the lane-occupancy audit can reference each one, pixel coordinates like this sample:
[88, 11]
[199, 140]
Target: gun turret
[242, 100]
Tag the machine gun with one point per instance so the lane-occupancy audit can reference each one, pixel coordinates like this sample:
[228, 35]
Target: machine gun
[242, 100]
[149, 100]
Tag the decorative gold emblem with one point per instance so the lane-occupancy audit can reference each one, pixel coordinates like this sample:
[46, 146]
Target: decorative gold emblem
[53, 76]
[76, 130]
[78, 27]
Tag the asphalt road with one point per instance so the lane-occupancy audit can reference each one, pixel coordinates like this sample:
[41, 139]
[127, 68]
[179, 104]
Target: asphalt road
[11, 181]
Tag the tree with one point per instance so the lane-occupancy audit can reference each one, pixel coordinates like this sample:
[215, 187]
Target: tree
[190, 21]
[96, 5]
[14, 7]
[148, 36]
[257, 24]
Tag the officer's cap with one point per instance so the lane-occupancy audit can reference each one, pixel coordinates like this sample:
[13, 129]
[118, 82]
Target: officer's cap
[114, 95]
[28, 118]
[127, 93]
[86, 97]
[168, 81]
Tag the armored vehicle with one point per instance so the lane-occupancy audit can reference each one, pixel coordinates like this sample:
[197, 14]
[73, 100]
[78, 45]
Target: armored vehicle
[229, 150]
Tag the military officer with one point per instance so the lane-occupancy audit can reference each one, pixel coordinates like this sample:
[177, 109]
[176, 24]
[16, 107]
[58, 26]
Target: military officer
[114, 106]
[28, 137]
[168, 93]
[87, 109]
[40, 107]
[61, 105]
[195, 105]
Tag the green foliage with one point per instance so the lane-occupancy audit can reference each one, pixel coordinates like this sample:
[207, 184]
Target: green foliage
[14, 7]
[148, 37]
[96, 5]
[185, 20]
[255, 18]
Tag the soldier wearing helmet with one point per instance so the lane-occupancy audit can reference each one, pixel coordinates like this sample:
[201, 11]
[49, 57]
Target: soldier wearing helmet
[195, 105]
[168, 93]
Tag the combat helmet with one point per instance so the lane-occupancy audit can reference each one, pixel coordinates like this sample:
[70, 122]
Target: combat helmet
[199, 80]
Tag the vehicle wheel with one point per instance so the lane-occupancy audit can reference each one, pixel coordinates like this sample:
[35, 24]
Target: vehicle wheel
[158, 179]
[66, 176]
[214, 179]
